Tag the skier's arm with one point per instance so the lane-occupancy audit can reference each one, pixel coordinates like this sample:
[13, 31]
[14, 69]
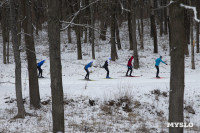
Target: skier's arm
[163, 62]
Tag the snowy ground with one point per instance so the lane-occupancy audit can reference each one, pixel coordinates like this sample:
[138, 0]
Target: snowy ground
[123, 104]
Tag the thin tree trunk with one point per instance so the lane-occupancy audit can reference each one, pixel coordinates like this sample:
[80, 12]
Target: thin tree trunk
[130, 29]
[192, 43]
[197, 25]
[154, 31]
[113, 46]
[7, 53]
[86, 35]
[135, 51]
[78, 39]
[55, 66]
[31, 57]
[92, 30]
[176, 96]
[103, 30]
[4, 31]
[69, 34]
[15, 42]
[142, 26]
[117, 35]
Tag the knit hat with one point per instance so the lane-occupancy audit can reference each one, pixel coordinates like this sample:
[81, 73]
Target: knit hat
[160, 56]
[109, 58]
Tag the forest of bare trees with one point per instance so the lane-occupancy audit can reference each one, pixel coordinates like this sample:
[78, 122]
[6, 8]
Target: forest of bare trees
[23, 19]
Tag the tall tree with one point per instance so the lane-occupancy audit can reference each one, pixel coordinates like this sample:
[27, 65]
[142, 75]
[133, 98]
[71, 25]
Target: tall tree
[15, 42]
[197, 25]
[153, 27]
[133, 18]
[192, 43]
[92, 30]
[55, 65]
[31, 56]
[130, 27]
[112, 30]
[176, 96]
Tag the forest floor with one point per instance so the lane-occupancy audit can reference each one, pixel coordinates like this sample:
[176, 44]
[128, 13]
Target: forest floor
[122, 104]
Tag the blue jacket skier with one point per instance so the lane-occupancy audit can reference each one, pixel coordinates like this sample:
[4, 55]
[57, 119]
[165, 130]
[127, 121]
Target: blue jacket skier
[158, 60]
[106, 67]
[39, 68]
[86, 69]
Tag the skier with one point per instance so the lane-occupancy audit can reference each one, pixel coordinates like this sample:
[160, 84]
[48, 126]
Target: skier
[106, 66]
[129, 65]
[39, 68]
[158, 60]
[86, 69]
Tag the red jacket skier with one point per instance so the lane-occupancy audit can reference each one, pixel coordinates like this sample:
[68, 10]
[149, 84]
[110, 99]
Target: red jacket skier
[129, 65]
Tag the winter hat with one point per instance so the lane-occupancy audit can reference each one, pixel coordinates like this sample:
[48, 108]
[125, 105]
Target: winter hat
[160, 56]
[91, 61]
[109, 58]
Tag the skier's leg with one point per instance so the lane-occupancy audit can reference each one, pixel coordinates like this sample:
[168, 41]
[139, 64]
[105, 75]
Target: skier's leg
[88, 73]
[157, 71]
[131, 70]
[41, 73]
[127, 72]
[106, 68]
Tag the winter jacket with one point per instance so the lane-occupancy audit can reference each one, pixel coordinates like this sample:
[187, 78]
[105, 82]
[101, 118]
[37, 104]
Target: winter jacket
[106, 63]
[40, 63]
[88, 65]
[158, 61]
[129, 61]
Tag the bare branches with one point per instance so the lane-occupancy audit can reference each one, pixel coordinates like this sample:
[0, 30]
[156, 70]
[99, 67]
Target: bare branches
[2, 3]
[193, 9]
[161, 7]
[127, 10]
[75, 14]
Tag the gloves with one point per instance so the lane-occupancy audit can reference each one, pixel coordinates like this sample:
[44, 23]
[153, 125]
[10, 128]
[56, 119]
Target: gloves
[166, 64]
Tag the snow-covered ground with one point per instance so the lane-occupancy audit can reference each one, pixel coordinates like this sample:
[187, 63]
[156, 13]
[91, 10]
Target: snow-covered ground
[123, 104]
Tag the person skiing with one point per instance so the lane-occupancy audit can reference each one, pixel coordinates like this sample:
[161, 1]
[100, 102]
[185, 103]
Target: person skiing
[106, 66]
[158, 60]
[86, 69]
[129, 65]
[39, 68]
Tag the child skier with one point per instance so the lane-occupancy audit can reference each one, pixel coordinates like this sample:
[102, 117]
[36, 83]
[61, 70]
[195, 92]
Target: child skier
[158, 60]
[39, 68]
[106, 66]
[86, 69]
[129, 65]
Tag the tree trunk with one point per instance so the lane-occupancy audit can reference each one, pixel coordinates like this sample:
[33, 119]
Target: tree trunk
[130, 28]
[176, 97]
[192, 43]
[86, 35]
[153, 28]
[7, 53]
[103, 30]
[55, 65]
[135, 51]
[112, 29]
[69, 34]
[142, 26]
[18, 79]
[31, 57]
[4, 31]
[197, 25]
[92, 30]
[187, 28]
[117, 35]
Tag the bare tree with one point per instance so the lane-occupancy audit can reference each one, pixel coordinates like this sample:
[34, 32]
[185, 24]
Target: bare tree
[15, 42]
[130, 27]
[133, 18]
[92, 30]
[31, 56]
[55, 65]
[176, 96]
[192, 43]
[153, 27]
[197, 25]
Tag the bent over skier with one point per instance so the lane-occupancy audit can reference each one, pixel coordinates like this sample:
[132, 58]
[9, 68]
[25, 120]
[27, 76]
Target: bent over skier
[130, 67]
[86, 69]
[39, 68]
[158, 60]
